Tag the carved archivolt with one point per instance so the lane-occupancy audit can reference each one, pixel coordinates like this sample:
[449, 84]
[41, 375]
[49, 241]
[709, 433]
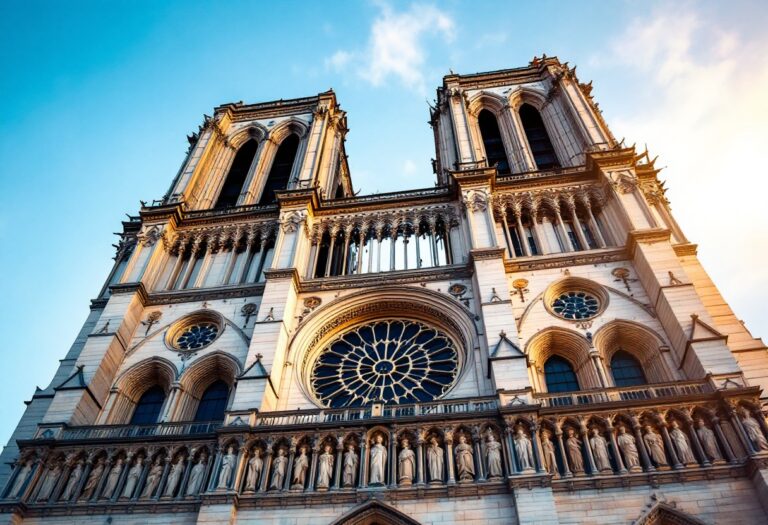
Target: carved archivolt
[537, 201]
[220, 237]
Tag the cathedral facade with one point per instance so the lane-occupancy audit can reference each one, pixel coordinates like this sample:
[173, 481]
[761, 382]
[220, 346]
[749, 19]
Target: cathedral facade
[531, 340]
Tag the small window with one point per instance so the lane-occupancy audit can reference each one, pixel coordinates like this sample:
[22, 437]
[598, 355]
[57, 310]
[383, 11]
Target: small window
[213, 403]
[148, 408]
[494, 146]
[626, 370]
[538, 139]
[233, 184]
[560, 376]
[280, 172]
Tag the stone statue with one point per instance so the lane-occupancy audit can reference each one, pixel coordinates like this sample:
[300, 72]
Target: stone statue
[279, 466]
[493, 457]
[325, 468]
[153, 480]
[174, 477]
[683, 447]
[93, 480]
[523, 450]
[708, 441]
[550, 459]
[655, 446]
[21, 477]
[350, 466]
[133, 477]
[300, 466]
[754, 432]
[628, 447]
[406, 463]
[51, 477]
[378, 461]
[255, 466]
[573, 444]
[113, 479]
[74, 478]
[196, 475]
[227, 467]
[600, 451]
[465, 465]
[435, 461]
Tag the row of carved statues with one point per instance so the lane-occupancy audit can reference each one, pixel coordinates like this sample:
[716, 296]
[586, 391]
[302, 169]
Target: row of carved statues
[391, 457]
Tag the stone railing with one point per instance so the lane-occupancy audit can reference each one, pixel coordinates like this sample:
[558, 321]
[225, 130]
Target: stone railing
[120, 432]
[620, 394]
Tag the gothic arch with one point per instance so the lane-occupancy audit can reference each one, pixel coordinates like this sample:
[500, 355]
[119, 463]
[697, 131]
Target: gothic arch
[665, 514]
[132, 383]
[375, 512]
[292, 125]
[637, 340]
[204, 372]
[567, 344]
[255, 131]
[522, 96]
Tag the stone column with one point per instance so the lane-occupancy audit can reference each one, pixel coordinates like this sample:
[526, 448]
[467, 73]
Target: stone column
[449, 452]
[160, 486]
[616, 451]
[313, 466]
[641, 445]
[577, 226]
[146, 465]
[339, 463]
[521, 232]
[537, 448]
[420, 458]
[182, 488]
[109, 465]
[585, 443]
[479, 460]
[32, 483]
[264, 485]
[363, 476]
[723, 441]
[289, 469]
[509, 450]
[668, 444]
[83, 479]
[240, 465]
[213, 466]
[567, 470]
[595, 228]
[739, 429]
[177, 265]
[392, 459]
[696, 443]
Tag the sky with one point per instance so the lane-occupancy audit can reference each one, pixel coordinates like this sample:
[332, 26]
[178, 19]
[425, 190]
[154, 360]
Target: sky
[97, 99]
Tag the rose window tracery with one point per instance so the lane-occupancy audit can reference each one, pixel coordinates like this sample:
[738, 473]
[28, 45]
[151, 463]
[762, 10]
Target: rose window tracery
[576, 305]
[196, 336]
[392, 361]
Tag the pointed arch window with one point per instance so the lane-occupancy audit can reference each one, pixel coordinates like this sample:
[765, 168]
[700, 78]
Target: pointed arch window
[494, 145]
[238, 172]
[148, 408]
[538, 140]
[559, 375]
[213, 403]
[280, 172]
[626, 370]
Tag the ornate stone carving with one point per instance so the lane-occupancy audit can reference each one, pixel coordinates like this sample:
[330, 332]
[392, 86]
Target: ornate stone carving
[378, 463]
[279, 467]
[300, 467]
[435, 461]
[406, 463]
[227, 468]
[475, 200]
[465, 464]
[325, 468]
[291, 221]
[350, 466]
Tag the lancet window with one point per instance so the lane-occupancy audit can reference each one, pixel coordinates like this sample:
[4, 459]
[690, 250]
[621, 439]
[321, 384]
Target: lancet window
[213, 403]
[238, 172]
[538, 139]
[493, 143]
[626, 370]
[559, 375]
[149, 406]
[280, 173]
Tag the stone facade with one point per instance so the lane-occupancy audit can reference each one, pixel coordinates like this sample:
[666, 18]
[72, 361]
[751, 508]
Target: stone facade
[533, 340]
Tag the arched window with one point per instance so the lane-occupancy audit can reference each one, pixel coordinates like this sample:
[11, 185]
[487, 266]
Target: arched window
[281, 169]
[559, 375]
[213, 403]
[538, 139]
[148, 408]
[233, 184]
[494, 146]
[626, 370]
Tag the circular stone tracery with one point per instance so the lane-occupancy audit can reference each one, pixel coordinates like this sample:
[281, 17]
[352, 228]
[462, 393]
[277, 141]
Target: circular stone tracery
[196, 336]
[389, 360]
[576, 305]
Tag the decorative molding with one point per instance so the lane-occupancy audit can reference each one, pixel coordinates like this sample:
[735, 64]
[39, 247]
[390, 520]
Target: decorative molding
[565, 260]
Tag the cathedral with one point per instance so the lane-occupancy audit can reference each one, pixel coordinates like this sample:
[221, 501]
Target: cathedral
[530, 340]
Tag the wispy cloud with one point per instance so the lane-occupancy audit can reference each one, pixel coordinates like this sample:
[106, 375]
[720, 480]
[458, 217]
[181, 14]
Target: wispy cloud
[396, 46]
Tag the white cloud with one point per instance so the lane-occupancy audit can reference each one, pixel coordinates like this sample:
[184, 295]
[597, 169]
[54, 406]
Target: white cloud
[409, 167]
[396, 46]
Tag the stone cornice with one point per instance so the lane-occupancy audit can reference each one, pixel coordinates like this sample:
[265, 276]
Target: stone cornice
[650, 236]
[560, 260]
[441, 273]
[681, 250]
[205, 294]
[131, 288]
[475, 176]
[283, 273]
[483, 254]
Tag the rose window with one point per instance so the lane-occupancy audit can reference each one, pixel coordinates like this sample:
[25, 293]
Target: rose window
[576, 305]
[196, 336]
[388, 361]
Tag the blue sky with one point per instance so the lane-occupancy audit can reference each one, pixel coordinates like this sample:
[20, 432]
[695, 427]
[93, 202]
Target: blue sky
[97, 99]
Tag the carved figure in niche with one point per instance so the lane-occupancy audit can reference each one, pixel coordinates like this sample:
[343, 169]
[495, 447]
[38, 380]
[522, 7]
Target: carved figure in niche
[51, 477]
[255, 466]
[465, 464]
[406, 463]
[754, 432]
[227, 466]
[523, 450]
[197, 474]
[153, 479]
[350, 466]
[279, 466]
[174, 477]
[655, 446]
[325, 468]
[113, 479]
[133, 477]
[573, 444]
[21, 477]
[628, 447]
[493, 457]
[708, 441]
[93, 480]
[682, 445]
[435, 461]
[548, 448]
[600, 451]
[378, 461]
[300, 466]
[74, 478]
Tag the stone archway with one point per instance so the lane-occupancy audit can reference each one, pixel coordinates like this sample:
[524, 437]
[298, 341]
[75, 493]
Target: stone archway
[374, 513]
[664, 514]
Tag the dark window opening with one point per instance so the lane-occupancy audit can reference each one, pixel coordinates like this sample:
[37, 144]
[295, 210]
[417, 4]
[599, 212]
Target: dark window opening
[626, 370]
[213, 403]
[233, 184]
[148, 408]
[280, 172]
[494, 146]
[560, 376]
[339, 192]
[541, 147]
